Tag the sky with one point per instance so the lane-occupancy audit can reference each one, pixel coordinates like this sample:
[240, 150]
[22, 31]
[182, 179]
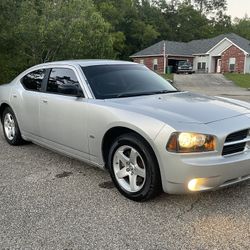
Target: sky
[238, 8]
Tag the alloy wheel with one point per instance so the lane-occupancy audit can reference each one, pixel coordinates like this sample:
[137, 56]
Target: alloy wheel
[9, 126]
[129, 168]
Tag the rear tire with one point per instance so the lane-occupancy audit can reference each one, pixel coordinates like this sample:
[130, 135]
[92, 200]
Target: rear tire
[11, 129]
[134, 168]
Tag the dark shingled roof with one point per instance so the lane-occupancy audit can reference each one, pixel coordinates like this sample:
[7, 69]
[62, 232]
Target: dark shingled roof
[193, 47]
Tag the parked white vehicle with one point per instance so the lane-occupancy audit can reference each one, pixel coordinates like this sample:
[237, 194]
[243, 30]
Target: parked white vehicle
[125, 118]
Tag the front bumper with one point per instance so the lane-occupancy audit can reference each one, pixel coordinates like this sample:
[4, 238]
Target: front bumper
[183, 71]
[217, 171]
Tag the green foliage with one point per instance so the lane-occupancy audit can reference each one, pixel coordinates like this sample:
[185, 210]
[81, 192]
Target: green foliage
[210, 6]
[34, 31]
[127, 18]
[42, 31]
[242, 27]
[242, 80]
[168, 76]
[185, 20]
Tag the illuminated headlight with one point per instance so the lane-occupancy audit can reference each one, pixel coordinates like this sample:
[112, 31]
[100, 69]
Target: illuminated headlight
[190, 67]
[190, 143]
[179, 67]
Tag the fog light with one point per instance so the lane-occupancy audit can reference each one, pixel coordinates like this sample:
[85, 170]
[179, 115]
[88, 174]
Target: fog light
[198, 184]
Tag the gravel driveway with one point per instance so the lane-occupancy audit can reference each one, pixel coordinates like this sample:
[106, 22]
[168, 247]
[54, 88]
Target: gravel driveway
[48, 201]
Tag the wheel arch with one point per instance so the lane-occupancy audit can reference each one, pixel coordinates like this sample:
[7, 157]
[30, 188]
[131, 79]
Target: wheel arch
[3, 106]
[117, 131]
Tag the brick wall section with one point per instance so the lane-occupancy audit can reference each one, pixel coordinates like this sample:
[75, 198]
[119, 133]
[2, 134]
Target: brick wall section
[233, 52]
[148, 61]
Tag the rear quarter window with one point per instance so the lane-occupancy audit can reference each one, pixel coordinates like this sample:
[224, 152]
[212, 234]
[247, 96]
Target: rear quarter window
[33, 80]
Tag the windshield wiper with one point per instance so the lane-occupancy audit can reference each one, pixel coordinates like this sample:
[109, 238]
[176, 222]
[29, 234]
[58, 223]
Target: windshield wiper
[147, 93]
[165, 91]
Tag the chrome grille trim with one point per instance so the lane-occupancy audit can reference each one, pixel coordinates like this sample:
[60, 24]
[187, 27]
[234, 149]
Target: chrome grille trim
[234, 181]
[236, 142]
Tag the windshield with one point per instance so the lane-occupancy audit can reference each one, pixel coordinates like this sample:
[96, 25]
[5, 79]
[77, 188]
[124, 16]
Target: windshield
[184, 63]
[114, 81]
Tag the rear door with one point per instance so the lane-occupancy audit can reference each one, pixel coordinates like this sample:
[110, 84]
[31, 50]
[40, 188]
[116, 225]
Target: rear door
[25, 100]
[63, 117]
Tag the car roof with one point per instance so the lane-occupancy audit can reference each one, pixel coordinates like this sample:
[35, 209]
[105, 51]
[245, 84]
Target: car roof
[81, 62]
[86, 62]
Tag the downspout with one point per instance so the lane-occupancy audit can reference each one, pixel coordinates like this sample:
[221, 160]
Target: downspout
[164, 58]
[245, 63]
[209, 63]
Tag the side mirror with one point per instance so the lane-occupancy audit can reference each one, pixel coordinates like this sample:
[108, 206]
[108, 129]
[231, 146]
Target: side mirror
[79, 93]
[170, 81]
[70, 89]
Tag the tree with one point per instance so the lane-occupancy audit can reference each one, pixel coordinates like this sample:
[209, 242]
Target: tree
[221, 23]
[34, 31]
[210, 6]
[54, 30]
[184, 22]
[113, 15]
[191, 24]
[242, 27]
[126, 19]
[8, 20]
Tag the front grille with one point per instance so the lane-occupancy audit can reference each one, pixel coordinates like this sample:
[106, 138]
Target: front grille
[237, 136]
[235, 148]
[236, 142]
[235, 180]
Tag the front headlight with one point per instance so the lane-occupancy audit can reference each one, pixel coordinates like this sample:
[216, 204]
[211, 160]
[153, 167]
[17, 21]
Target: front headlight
[190, 143]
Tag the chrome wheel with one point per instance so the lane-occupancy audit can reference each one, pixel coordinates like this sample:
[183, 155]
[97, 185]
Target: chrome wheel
[129, 168]
[9, 126]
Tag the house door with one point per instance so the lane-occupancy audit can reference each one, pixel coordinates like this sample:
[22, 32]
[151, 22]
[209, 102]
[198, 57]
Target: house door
[218, 70]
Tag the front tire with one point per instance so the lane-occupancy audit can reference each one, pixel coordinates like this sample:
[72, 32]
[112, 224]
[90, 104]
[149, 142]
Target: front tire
[11, 129]
[133, 168]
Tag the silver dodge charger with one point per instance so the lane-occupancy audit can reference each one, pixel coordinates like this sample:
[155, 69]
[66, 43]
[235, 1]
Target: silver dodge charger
[123, 117]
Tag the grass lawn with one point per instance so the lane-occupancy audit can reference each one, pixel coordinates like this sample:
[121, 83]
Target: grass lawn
[239, 79]
[168, 76]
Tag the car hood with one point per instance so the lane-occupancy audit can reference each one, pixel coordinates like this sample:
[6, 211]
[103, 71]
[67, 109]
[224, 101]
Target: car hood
[183, 107]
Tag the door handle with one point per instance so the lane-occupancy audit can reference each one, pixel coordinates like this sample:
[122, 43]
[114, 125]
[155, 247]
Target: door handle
[14, 96]
[45, 101]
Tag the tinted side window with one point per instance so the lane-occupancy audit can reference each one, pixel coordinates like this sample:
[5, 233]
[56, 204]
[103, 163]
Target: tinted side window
[63, 81]
[33, 80]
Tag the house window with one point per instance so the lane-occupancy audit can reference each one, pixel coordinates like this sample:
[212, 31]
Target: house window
[155, 64]
[201, 66]
[232, 61]
[141, 61]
